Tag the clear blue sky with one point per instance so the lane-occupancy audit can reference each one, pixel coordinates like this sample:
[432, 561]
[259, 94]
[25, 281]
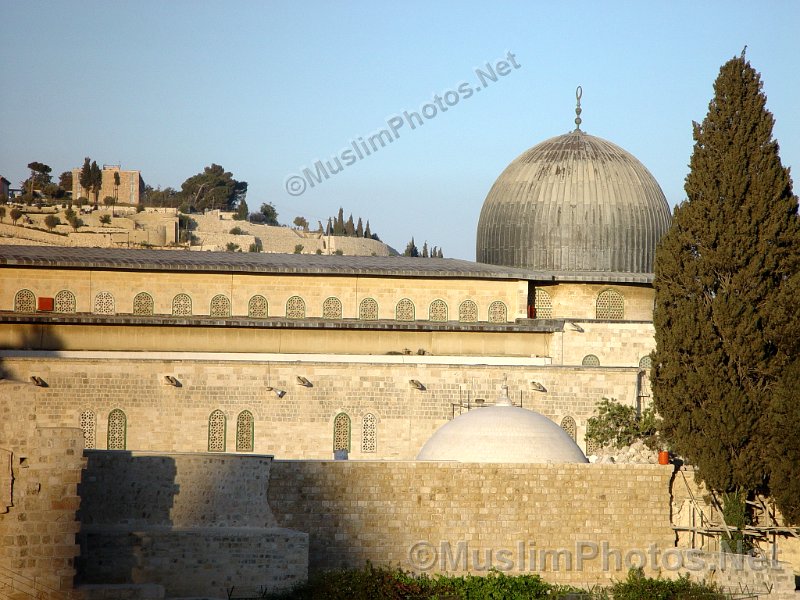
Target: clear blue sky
[267, 88]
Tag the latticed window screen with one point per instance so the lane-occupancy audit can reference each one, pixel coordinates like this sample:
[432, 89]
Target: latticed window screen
[437, 311]
[543, 304]
[295, 308]
[645, 362]
[64, 302]
[143, 304]
[332, 308]
[590, 360]
[591, 447]
[341, 432]
[89, 428]
[117, 430]
[24, 301]
[104, 303]
[258, 308]
[244, 431]
[220, 306]
[468, 312]
[404, 311]
[182, 305]
[368, 310]
[497, 312]
[369, 434]
[216, 431]
[568, 425]
[610, 305]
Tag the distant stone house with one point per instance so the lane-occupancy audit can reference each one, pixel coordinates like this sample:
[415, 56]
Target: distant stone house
[129, 191]
[5, 188]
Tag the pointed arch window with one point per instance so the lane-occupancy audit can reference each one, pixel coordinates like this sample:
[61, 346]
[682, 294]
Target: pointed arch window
[64, 302]
[568, 424]
[117, 430]
[368, 310]
[24, 301]
[332, 308]
[258, 308]
[143, 304]
[341, 432]
[468, 312]
[104, 303]
[404, 311]
[216, 431]
[437, 311]
[295, 308]
[220, 306]
[182, 305]
[245, 432]
[498, 312]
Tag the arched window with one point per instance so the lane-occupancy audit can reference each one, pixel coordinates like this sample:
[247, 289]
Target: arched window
[220, 306]
[468, 312]
[437, 311]
[25, 301]
[216, 431]
[258, 308]
[369, 434]
[104, 303]
[404, 311]
[117, 430]
[143, 304]
[568, 425]
[88, 426]
[332, 308]
[341, 432]
[590, 360]
[368, 310]
[295, 308]
[182, 305]
[610, 305]
[64, 302]
[498, 312]
[543, 304]
[592, 448]
[645, 362]
[244, 432]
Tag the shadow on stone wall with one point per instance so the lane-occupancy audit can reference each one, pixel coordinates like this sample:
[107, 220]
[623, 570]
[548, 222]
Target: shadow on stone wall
[121, 494]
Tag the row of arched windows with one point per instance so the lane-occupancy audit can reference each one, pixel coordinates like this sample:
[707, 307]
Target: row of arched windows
[258, 307]
[610, 304]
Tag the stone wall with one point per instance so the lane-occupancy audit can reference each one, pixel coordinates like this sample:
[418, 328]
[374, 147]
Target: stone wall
[513, 517]
[197, 524]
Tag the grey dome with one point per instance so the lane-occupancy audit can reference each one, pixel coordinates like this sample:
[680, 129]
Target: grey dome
[573, 203]
[502, 434]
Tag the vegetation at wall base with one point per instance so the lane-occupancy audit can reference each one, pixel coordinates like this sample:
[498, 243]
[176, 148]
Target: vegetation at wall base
[373, 583]
[619, 425]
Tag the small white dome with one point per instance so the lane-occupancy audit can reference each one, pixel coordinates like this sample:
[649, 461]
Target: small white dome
[502, 434]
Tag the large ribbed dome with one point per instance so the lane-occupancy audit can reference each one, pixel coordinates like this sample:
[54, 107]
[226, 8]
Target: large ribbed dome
[573, 203]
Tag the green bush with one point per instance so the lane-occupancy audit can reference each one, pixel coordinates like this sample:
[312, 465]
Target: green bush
[618, 425]
[638, 587]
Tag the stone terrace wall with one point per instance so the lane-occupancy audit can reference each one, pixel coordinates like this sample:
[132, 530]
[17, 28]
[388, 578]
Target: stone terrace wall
[401, 513]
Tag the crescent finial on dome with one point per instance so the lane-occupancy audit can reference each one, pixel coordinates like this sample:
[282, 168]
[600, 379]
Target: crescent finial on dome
[578, 121]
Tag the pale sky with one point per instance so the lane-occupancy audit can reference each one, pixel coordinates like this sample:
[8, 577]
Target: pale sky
[268, 88]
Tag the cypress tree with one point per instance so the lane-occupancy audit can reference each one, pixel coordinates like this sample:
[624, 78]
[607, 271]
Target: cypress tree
[425, 249]
[349, 227]
[367, 232]
[85, 177]
[726, 279]
[360, 228]
[338, 224]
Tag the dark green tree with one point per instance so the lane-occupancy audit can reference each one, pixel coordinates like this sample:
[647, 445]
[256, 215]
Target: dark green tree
[116, 186]
[15, 215]
[411, 249]
[96, 180]
[214, 188]
[301, 222]
[726, 285]
[85, 176]
[367, 232]
[105, 219]
[40, 177]
[65, 181]
[52, 221]
[349, 226]
[241, 211]
[270, 214]
[329, 229]
[360, 228]
[338, 223]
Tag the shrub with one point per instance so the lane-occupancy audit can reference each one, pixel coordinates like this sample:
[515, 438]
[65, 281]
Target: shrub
[618, 425]
[237, 231]
[298, 249]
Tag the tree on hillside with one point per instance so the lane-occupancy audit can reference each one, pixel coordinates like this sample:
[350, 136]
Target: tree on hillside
[15, 215]
[214, 188]
[39, 178]
[360, 228]
[116, 186]
[301, 222]
[65, 181]
[269, 213]
[96, 180]
[105, 219]
[411, 249]
[425, 249]
[168, 197]
[242, 211]
[85, 176]
[75, 222]
[726, 284]
[51, 222]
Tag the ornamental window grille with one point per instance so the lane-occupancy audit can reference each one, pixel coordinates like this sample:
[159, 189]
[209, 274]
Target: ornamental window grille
[88, 423]
[244, 432]
[368, 310]
[568, 425]
[645, 362]
[117, 430]
[592, 447]
[295, 308]
[216, 431]
[404, 311]
[258, 308]
[590, 360]
[369, 434]
[610, 305]
[332, 308]
[543, 304]
[182, 305]
[341, 432]
[24, 301]
[104, 303]
[437, 311]
[220, 306]
[143, 304]
[64, 302]
[468, 312]
[498, 312]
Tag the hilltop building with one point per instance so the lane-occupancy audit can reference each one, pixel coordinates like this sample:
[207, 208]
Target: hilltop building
[129, 191]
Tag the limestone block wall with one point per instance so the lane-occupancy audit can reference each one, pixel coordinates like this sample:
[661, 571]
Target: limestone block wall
[196, 524]
[579, 300]
[447, 517]
[39, 473]
[163, 417]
